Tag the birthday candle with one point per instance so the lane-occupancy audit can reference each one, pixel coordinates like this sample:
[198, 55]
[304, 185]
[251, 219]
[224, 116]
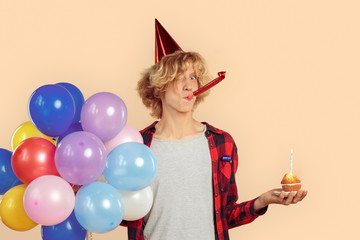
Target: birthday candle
[291, 160]
[208, 85]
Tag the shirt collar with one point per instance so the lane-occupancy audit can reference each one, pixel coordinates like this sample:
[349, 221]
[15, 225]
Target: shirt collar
[209, 128]
[150, 128]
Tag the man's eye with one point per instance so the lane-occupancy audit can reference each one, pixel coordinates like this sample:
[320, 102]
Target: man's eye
[193, 78]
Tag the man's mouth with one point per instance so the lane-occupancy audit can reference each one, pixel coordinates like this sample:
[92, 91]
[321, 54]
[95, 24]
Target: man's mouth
[189, 97]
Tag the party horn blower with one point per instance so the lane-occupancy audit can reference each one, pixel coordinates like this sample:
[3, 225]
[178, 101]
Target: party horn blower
[208, 85]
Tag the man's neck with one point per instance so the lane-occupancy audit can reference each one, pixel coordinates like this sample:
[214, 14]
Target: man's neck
[177, 128]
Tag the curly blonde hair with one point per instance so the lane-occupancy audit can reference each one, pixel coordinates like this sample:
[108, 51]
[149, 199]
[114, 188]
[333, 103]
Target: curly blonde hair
[157, 78]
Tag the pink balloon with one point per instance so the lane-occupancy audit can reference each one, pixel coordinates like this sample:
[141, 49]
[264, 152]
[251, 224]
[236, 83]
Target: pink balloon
[127, 134]
[49, 200]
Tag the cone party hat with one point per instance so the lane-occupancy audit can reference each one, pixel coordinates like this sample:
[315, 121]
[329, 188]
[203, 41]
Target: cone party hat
[164, 43]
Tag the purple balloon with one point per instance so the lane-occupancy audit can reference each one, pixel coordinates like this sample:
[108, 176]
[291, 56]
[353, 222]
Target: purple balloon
[104, 114]
[80, 158]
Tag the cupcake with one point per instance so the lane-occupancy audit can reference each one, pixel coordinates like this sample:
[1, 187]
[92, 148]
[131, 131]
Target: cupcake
[290, 182]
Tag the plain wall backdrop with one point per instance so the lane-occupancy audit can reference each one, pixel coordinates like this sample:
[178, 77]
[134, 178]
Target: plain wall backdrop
[292, 82]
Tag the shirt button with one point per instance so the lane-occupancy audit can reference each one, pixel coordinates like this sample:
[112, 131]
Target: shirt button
[219, 229]
[217, 212]
[216, 194]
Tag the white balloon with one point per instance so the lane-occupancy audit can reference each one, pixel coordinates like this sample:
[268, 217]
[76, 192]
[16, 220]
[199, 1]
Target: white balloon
[137, 203]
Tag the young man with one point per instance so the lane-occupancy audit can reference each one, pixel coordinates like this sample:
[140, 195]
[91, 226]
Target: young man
[195, 193]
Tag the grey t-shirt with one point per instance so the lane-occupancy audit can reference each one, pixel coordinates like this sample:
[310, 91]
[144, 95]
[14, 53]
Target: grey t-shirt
[183, 198]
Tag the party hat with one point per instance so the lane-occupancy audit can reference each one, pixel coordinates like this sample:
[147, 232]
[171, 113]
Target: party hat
[164, 43]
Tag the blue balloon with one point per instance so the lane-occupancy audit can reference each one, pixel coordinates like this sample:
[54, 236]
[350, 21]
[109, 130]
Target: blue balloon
[51, 109]
[99, 207]
[77, 96]
[75, 127]
[130, 166]
[70, 229]
[8, 178]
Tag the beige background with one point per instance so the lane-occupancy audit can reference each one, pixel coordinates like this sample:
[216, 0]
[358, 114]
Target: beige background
[292, 82]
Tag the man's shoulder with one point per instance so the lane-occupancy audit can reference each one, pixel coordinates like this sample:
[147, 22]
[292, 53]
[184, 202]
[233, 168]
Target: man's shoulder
[217, 131]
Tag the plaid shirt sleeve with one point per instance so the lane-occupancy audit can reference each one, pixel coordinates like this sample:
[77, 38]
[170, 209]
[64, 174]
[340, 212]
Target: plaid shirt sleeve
[227, 212]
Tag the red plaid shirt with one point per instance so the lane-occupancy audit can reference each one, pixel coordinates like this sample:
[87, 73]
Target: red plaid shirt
[227, 213]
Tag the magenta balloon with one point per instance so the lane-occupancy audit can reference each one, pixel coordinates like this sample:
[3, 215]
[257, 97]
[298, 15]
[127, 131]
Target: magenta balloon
[49, 200]
[80, 157]
[127, 134]
[103, 114]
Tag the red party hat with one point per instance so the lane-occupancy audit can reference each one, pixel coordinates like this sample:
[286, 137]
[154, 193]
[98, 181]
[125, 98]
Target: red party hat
[164, 43]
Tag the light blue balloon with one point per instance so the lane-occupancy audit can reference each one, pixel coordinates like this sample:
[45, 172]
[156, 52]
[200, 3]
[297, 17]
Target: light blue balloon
[99, 207]
[130, 166]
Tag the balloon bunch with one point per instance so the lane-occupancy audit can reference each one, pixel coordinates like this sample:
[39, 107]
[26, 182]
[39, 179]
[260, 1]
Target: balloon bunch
[75, 167]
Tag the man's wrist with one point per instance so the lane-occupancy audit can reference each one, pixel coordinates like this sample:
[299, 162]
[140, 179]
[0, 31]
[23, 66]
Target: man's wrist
[260, 203]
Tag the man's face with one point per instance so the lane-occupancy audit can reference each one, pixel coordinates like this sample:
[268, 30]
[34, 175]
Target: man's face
[175, 96]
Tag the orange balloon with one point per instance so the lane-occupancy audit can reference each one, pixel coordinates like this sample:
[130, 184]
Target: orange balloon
[12, 210]
[25, 131]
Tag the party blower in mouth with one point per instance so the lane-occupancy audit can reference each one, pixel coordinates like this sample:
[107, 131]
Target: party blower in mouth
[208, 85]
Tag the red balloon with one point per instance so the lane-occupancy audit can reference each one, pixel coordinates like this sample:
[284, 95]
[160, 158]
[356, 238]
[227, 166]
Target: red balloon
[32, 158]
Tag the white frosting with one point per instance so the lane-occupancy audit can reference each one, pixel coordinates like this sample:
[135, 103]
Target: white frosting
[290, 184]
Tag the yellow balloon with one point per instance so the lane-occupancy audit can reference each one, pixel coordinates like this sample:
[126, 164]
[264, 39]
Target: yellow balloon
[12, 210]
[1, 197]
[25, 131]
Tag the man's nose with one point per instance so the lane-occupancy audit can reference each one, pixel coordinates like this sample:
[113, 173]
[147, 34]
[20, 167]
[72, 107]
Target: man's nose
[188, 86]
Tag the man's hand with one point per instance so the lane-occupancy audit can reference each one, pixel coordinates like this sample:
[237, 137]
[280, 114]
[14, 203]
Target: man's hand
[270, 197]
